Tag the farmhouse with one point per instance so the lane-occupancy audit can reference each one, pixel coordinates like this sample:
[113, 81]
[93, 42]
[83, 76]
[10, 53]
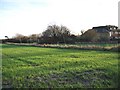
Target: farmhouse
[110, 31]
[115, 34]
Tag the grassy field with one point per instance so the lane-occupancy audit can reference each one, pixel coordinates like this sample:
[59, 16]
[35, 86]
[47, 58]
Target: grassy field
[37, 67]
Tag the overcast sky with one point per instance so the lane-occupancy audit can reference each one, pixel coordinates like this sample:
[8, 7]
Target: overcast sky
[33, 16]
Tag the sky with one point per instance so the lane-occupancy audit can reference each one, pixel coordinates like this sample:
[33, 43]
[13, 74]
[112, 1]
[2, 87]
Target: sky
[33, 16]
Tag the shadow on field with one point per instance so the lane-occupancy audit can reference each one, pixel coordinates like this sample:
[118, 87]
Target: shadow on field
[13, 46]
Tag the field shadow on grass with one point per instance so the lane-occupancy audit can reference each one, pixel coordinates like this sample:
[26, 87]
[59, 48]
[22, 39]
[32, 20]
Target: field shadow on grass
[91, 78]
[97, 78]
[13, 46]
[16, 46]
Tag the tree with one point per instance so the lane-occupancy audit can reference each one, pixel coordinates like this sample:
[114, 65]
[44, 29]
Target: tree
[89, 36]
[34, 38]
[20, 38]
[55, 34]
[82, 32]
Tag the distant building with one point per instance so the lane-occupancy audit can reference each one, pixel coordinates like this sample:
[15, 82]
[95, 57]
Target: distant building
[115, 34]
[110, 31]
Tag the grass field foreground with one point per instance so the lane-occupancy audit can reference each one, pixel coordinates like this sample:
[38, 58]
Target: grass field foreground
[37, 67]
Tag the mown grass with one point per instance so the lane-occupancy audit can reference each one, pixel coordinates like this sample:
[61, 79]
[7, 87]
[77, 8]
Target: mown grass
[37, 67]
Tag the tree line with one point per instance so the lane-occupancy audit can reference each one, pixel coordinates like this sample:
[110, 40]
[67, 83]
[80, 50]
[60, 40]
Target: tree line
[55, 34]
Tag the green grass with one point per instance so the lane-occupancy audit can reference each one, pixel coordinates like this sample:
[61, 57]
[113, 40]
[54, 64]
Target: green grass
[27, 66]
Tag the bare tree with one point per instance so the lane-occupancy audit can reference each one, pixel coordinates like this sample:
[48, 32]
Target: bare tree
[55, 33]
[82, 32]
[21, 38]
[34, 38]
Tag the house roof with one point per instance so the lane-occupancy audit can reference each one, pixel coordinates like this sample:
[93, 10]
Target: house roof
[107, 26]
[103, 29]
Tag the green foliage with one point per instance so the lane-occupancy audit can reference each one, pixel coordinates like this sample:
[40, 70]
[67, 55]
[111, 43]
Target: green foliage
[35, 67]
